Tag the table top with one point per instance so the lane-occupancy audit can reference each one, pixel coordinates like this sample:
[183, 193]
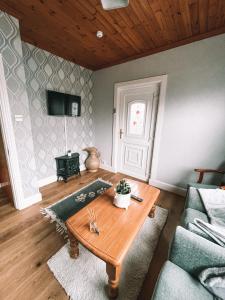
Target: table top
[118, 227]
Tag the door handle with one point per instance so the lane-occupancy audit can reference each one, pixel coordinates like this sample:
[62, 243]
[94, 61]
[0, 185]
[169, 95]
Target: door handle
[121, 133]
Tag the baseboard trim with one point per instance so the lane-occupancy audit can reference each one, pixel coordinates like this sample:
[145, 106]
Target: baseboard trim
[53, 178]
[47, 180]
[107, 168]
[30, 201]
[168, 187]
[82, 167]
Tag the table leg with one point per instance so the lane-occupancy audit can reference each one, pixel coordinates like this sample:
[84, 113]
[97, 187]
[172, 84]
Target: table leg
[74, 249]
[152, 212]
[113, 280]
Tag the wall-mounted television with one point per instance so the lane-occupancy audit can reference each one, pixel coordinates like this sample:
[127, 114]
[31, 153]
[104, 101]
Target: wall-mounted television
[60, 104]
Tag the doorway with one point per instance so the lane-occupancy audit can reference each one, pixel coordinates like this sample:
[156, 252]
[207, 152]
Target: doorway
[138, 117]
[9, 142]
[6, 196]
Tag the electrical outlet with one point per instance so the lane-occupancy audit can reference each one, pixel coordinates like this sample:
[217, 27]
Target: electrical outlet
[19, 118]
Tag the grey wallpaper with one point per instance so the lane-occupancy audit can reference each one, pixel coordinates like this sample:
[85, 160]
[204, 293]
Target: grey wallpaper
[11, 51]
[29, 71]
[46, 71]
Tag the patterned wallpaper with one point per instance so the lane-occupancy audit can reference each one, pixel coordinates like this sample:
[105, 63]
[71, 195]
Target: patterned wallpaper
[43, 71]
[11, 50]
[29, 71]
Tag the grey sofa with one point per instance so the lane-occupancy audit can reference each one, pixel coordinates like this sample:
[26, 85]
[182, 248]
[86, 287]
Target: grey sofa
[189, 255]
[194, 207]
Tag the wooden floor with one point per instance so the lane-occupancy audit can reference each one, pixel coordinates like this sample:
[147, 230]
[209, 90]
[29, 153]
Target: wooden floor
[27, 241]
[3, 198]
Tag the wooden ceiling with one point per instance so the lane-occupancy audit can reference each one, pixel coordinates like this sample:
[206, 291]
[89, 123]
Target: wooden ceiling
[68, 28]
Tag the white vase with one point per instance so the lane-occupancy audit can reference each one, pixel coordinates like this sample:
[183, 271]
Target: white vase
[122, 201]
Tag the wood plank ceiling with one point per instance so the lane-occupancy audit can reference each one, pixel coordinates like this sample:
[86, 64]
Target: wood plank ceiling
[68, 28]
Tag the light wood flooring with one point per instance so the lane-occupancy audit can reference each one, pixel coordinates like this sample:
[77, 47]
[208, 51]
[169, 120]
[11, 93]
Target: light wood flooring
[27, 241]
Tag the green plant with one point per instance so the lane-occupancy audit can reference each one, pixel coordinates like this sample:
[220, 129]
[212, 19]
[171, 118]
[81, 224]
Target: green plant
[123, 187]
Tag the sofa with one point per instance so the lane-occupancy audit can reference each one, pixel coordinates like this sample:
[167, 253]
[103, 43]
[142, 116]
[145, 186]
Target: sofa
[189, 255]
[191, 251]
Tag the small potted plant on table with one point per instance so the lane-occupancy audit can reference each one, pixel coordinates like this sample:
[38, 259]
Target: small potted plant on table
[123, 193]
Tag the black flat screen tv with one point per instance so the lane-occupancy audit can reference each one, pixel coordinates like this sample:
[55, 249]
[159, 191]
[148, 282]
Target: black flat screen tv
[60, 104]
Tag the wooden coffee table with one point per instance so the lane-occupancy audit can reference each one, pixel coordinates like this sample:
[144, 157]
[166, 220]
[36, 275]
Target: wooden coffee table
[118, 228]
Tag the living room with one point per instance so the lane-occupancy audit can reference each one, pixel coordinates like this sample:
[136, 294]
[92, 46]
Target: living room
[141, 91]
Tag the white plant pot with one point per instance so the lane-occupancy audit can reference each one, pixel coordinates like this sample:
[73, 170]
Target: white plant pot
[122, 201]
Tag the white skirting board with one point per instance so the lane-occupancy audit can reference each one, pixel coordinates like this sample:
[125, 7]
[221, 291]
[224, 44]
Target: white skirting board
[107, 167]
[82, 167]
[30, 201]
[154, 182]
[47, 180]
[53, 178]
[168, 187]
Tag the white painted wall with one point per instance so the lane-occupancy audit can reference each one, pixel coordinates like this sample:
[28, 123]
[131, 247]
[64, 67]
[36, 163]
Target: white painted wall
[193, 132]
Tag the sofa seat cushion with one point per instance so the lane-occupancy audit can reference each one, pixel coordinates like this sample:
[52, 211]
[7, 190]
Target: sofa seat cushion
[190, 214]
[203, 186]
[176, 284]
[193, 199]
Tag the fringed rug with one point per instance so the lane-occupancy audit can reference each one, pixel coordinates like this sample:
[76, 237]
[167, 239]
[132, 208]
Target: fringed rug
[85, 278]
[60, 211]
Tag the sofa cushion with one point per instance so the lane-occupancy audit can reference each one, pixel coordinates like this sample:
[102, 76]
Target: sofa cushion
[190, 214]
[193, 253]
[193, 199]
[195, 229]
[203, 186]
[176, 284]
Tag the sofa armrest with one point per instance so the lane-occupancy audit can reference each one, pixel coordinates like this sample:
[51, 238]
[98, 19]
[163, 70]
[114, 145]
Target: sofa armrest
[203, 171]
[194, 253]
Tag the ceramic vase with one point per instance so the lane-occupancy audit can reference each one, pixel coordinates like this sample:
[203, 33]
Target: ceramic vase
[122, 201]
[92, 162]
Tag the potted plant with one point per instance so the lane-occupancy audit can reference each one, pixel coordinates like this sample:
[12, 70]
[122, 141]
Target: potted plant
[123, 193]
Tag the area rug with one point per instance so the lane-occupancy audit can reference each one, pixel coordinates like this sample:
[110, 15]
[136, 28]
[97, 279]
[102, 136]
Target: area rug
[60, 211]
[85, 278]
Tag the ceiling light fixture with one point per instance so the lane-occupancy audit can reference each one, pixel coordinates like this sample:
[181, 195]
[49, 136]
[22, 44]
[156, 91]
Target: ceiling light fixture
[113, 4]
[99, 34]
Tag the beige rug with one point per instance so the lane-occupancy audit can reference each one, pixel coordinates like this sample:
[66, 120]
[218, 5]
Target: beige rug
[86, 279]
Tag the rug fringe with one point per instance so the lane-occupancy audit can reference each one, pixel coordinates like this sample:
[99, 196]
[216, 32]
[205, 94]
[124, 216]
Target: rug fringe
[60, 228]
[44, 213]
[105, 181]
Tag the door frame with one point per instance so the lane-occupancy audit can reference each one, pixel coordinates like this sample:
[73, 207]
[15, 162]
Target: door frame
[9, 141]
[123, 86]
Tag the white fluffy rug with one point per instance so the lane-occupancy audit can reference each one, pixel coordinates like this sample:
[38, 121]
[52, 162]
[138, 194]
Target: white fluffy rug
[85, 278]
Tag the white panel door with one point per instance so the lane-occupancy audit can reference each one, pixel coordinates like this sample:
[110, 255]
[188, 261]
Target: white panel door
[137, 117]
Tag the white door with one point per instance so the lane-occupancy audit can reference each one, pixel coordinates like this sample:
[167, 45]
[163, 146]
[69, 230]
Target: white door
[137, 119]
